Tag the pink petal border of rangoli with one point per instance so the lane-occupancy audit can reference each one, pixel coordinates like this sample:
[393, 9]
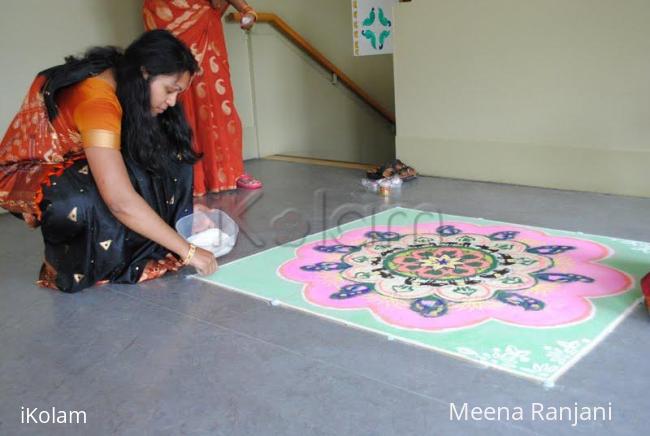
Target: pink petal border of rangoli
[565, 303]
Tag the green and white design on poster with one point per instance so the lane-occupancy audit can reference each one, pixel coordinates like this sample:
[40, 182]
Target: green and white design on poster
[372, 26]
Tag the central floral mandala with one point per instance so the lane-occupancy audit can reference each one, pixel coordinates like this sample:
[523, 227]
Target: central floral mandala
[456, 275]
[458, 268]
[441, 263]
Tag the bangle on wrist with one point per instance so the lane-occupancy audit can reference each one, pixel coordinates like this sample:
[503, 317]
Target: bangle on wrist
[190, 254]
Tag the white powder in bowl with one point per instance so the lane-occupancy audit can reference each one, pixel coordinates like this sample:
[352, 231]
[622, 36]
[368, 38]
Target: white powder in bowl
[210, 239]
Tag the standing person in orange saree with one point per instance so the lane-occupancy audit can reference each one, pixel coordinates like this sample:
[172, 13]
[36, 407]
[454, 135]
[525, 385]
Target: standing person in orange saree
[208, 104]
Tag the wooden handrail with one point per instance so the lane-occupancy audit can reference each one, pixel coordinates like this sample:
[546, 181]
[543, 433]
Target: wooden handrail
[286, 30]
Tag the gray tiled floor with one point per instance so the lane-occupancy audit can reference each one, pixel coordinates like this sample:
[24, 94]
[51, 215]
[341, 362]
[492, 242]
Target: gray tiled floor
[179, 356]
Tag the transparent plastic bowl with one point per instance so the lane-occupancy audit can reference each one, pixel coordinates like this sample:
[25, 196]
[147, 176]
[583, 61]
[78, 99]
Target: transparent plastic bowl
[212, 230]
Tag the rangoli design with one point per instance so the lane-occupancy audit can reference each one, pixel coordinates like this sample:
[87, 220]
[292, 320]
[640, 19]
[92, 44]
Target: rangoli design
[457, 275]
[526, 300]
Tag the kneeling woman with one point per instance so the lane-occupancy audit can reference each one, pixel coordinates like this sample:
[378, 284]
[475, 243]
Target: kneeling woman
[100, 157]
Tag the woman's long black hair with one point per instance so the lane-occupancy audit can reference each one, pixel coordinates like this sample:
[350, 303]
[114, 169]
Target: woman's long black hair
[156, 143]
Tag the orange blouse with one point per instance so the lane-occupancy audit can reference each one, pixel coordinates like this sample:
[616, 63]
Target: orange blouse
[93, 108]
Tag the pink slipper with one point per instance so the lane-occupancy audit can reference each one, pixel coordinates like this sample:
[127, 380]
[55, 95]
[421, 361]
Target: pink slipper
[246, 181]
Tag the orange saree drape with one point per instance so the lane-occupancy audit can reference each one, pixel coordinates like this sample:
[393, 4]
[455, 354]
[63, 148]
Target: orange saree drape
[208, 103]
[32, 150]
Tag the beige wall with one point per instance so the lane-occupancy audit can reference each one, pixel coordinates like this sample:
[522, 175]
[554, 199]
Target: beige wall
[327, 24]
[35, 34]
[549, 93]
[297, 110]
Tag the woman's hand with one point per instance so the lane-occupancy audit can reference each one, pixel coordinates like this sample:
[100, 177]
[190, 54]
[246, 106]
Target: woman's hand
[248, 21]
[204, 262]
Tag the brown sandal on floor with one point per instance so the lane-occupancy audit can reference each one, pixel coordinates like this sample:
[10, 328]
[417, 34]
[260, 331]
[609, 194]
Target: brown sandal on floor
[390, 169]
[407, 173]
[404, 171]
